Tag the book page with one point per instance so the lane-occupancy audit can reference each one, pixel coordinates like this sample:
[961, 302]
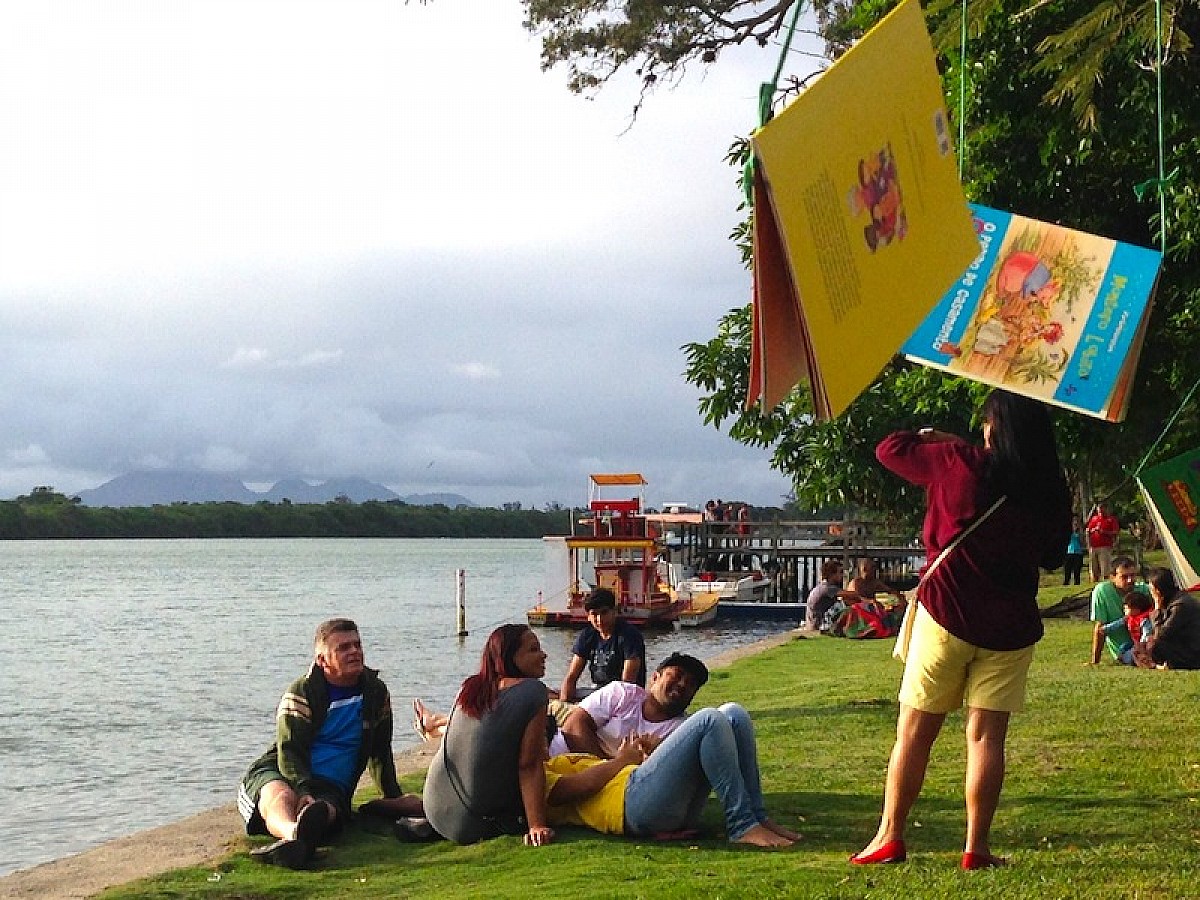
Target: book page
[1172, 491]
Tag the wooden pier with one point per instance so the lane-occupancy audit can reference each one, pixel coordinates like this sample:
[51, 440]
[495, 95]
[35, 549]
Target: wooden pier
[795, 551]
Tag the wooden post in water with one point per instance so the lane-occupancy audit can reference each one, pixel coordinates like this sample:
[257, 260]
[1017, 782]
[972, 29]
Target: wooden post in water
[460, 601]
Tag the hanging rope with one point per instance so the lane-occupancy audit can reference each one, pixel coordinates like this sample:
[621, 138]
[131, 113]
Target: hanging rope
[1158, 440]
[962, 93]
[766, 95]
[1163, 181]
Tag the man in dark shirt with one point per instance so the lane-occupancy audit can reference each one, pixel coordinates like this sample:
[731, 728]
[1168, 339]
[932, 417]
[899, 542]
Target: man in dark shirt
[611, 649]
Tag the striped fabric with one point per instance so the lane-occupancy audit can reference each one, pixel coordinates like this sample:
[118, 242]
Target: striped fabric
[294, 705]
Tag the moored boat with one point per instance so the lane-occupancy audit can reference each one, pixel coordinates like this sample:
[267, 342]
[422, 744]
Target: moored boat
[618, 549]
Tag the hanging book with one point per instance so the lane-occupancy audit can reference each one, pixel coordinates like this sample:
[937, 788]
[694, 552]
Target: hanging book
[860, 223]
[1172, 494]
[1045, 311]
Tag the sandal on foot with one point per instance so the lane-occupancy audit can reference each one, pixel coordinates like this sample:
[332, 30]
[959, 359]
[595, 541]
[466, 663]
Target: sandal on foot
[289, 854]
[313, 823]
[418, 722]
[414, 830]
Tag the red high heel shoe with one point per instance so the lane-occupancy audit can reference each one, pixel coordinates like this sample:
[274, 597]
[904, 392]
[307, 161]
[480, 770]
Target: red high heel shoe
[891, 852]
[972, 861]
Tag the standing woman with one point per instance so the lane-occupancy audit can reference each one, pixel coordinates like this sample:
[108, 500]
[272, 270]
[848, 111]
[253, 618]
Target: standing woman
[977, 618]
[487, 778]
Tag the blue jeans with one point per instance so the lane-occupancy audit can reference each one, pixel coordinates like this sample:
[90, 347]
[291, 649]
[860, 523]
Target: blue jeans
[713, 750]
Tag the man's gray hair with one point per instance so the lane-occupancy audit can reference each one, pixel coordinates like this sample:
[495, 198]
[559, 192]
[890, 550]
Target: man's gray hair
[328, 627]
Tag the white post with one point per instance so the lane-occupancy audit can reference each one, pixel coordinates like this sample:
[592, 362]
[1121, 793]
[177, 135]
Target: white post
[460, 600]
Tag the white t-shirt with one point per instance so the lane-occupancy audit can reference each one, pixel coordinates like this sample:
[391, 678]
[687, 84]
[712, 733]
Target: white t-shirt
[616, 709]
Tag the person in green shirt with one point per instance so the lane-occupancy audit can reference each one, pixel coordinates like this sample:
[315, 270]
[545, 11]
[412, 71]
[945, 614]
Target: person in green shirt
[1108, 601]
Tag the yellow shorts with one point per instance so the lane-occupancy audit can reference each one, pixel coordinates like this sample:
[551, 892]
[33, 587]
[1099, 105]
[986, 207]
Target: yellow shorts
[942, 672]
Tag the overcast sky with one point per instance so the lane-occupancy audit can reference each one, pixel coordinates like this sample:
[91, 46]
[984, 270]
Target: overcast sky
[270, 238]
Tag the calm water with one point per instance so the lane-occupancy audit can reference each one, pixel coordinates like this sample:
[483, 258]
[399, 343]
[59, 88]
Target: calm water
[140, 678]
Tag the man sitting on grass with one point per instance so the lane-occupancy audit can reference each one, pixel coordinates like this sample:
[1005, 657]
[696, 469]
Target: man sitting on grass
[329, 727]
[1108, 601]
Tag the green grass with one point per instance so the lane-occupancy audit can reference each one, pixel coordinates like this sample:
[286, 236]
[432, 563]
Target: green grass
[1102, 800]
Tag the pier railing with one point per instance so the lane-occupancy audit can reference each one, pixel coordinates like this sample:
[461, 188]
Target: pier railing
[796, 551]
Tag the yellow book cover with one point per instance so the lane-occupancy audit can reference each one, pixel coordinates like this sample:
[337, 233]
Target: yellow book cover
[863, 187]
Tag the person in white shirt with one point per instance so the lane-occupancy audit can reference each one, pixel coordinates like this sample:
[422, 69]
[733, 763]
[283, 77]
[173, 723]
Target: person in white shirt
[620, 709]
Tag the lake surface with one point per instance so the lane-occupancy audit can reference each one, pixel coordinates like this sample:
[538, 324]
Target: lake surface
[140, 678]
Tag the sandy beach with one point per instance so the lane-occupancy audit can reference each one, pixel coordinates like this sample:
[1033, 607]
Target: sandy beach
[204, 837]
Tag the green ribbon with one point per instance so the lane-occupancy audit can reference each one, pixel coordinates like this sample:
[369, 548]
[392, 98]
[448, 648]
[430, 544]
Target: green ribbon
[1161, 184]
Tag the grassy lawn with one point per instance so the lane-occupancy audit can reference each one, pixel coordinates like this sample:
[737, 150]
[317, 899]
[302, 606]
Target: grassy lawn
[1102, 800]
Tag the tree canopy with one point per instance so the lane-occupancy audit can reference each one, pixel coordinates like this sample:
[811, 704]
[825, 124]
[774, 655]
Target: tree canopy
[1060, 124]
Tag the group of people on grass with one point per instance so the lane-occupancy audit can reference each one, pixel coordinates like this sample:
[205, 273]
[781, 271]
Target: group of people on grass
[628, 759]
[832, 603]
[1151, 625]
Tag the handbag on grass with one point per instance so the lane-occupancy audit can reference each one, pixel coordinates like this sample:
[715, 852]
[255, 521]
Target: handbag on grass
[904, 638]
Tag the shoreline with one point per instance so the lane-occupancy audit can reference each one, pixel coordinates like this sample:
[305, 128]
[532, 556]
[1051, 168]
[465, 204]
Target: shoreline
[206, 836]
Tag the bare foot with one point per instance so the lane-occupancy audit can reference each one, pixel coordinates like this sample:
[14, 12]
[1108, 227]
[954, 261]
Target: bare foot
[761, 836]
[772, 825]
[426, 723]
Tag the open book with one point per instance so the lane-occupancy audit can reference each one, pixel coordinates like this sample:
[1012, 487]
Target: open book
[1045, 311]
[860, 223]
[1172, 491]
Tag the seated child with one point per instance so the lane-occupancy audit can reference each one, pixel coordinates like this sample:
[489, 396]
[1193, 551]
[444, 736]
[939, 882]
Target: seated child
[1137, 607]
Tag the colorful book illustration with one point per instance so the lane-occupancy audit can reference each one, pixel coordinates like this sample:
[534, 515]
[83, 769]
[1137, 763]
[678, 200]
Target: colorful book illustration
[1172, 494]
[1045, 311]
[860, 220]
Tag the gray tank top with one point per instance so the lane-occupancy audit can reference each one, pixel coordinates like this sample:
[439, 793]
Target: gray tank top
[472, 791]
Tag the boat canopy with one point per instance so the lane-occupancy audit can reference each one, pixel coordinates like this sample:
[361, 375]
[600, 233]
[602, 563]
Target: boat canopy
[623, 478]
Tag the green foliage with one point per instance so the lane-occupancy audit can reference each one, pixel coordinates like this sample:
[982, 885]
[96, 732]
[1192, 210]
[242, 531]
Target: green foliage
[1030, 151]
[597, 38]
[46, 514]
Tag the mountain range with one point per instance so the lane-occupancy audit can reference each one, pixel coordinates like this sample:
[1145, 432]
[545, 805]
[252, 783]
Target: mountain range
[166, 487]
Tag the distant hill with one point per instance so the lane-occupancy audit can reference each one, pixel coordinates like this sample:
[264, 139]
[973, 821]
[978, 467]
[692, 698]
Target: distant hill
[164, 488]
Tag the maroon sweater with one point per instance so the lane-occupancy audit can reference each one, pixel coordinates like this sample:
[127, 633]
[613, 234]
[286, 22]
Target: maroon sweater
[985, 590]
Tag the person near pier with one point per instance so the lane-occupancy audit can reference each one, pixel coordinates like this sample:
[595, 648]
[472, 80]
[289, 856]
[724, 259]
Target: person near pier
[608, 647]
[867, 584]
[619, 709]
[996, 514]
[331, 725]
[825, 595]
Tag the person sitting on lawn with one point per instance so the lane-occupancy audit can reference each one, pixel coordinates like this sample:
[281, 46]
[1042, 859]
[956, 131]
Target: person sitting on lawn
[867, 584]
[1175, 641]
[662, 793]
[486, 778]
[619, 709]
[825, 595]
[610, 648]
[1108, 601]
[330, 726]
[1136, 622]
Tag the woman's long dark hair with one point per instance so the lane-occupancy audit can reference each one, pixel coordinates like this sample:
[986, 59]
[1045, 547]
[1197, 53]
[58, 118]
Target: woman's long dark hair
[1024, 463]
[1164, 582]
[478, 693]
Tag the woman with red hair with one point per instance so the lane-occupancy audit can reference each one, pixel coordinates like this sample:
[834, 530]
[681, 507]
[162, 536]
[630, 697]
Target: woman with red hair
[487, 778]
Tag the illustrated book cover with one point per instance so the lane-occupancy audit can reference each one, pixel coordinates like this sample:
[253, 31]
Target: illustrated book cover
[1045, 311]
